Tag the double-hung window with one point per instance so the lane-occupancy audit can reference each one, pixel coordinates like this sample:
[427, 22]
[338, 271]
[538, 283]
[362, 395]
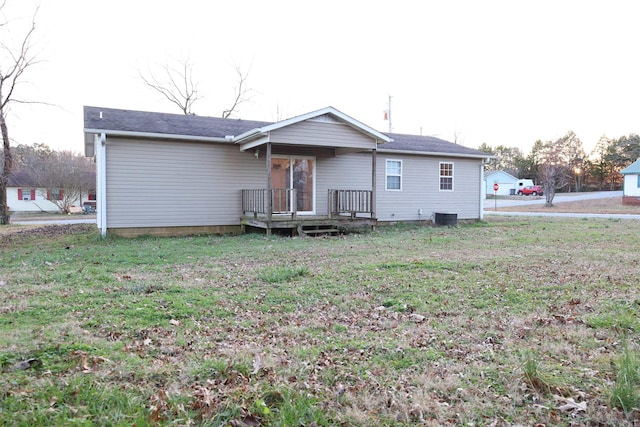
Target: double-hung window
[446, 176]
[393, 180]
[26, 193]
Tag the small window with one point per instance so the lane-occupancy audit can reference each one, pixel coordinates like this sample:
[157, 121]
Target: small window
[446, 176]
[26, 193]
[638, 185]
[55, 194]
[394, 175]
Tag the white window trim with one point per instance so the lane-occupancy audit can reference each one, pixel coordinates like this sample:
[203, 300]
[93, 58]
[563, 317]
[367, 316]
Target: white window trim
[386, 174]
[444, 176]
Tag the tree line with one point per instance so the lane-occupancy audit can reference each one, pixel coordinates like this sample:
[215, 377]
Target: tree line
[563, 165]
[69, 175]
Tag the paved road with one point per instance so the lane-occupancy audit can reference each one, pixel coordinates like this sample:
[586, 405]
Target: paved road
[559, 198]
[490, 204]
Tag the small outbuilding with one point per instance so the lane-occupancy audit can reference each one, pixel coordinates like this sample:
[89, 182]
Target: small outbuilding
[631, 184]
[506, 182]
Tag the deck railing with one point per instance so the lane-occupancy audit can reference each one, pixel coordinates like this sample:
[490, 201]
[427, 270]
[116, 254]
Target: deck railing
[352, 202]
[283, 201]
[256, 201]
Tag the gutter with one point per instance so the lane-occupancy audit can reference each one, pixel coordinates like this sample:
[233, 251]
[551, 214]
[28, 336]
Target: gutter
[434, 153]
[156, 135]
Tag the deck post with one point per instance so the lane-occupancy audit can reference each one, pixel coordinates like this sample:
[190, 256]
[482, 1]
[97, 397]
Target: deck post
[269, 192]
[373, 183]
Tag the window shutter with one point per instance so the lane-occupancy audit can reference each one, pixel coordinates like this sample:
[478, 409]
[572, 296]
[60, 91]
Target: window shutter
[19, 193]
[60, 195]
[33, 194]
[48, 194]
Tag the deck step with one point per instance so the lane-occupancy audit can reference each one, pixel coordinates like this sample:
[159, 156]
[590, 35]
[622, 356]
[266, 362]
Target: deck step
[321, 230]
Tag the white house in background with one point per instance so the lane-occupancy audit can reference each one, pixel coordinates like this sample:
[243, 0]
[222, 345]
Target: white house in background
[506, 182]
[173, 174]
[24, 196]
[631, 184]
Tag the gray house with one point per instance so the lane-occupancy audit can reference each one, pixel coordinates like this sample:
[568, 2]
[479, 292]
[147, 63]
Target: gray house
[171, 174]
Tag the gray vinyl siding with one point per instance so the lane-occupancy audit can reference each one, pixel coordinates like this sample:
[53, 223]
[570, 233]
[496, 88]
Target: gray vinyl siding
[421, 189]
[322, 134]
[339, 173]
[158, 184]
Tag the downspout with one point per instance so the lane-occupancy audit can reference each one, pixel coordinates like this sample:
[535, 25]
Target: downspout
[482, 188]
[101, 184]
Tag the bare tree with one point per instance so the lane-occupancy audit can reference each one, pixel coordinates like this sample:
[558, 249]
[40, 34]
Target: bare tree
[241, 92]
[553, 170]
[64, 178]
[13, 63]
[176, 83]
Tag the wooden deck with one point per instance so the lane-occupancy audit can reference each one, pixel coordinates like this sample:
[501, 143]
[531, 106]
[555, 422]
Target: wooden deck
[308, 224]
[275, 209]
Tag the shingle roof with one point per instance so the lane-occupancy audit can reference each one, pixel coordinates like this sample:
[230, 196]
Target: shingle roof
[97, 118]
[633, 168]
[21, 179]
[109, 119]
[428, 144]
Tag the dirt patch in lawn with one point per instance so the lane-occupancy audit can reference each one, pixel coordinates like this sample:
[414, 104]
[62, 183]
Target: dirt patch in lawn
[15, 233]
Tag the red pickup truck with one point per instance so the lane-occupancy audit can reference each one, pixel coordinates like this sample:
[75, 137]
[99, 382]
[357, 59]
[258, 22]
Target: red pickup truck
[531, 190]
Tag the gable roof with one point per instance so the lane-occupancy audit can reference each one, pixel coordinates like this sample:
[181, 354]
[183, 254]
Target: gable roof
[201, 128]
[633, 168]
[378, 136]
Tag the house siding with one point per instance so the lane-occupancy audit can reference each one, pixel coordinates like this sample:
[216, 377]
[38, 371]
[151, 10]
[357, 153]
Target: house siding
[630, 185]
[421, 189]
[331, 174]
[322, 134]
[169, 184]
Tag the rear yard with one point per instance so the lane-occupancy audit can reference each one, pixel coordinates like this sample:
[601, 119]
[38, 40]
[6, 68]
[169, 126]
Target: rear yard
[480, 324]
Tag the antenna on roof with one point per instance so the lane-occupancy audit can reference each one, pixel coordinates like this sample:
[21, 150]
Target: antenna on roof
[387, 114]
[100, 114]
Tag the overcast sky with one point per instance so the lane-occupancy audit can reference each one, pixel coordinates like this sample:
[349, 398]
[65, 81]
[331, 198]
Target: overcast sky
[501, 72]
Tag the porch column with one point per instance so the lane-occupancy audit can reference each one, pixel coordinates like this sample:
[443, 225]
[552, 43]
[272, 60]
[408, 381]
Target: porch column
[269, 195]
[373, 183]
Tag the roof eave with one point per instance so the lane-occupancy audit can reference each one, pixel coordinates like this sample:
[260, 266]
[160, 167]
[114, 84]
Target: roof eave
[435, 153]
[157, 135]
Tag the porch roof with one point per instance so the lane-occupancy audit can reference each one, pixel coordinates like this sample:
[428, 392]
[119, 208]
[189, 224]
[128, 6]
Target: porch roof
[328, 111]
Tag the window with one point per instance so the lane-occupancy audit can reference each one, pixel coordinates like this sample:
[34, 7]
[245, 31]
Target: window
[55, 194]
[446, 176]
[394, 175]
[26, 193]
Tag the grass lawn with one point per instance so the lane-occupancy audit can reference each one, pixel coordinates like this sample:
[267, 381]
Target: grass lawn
[512, 321]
